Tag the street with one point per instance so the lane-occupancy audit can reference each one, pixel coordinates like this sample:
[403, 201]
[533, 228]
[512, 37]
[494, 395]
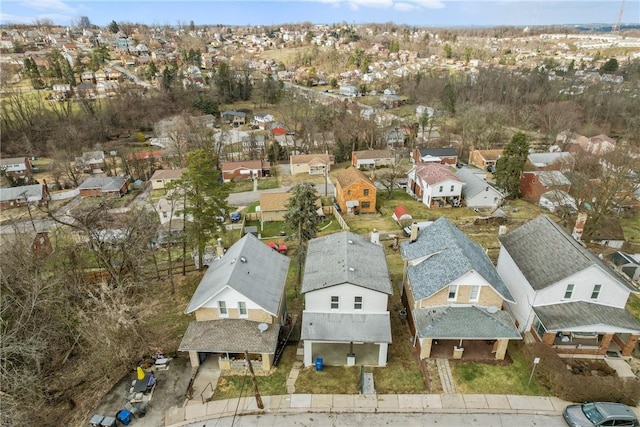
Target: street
[385, 419]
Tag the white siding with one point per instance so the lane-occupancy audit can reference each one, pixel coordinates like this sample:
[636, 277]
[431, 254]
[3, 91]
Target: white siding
[520, 290]
[320, 300]
[231, 298]
[484, 199]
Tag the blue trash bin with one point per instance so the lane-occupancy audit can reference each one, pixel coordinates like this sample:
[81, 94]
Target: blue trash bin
[319, 364]
[124, 416]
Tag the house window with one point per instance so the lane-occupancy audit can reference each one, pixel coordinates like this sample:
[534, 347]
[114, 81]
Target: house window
[475, 293]
[453, 290]
[242, 308]
[451, 188]
[538, 327]
[357, 304]
[222, 306]
[365, 205]
[440, 190]
[348, 192]
[569, 291]
[596, 291]
[366, 191]
[335, 302]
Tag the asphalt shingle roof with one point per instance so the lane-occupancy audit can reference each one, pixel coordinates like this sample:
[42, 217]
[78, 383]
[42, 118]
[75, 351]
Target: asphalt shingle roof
[351, 175]
[30, 192]
[474, 182]
[581, 313]
[346, 327]
[434, 173]
[105, 183]
[437, 152]
[471, 322]
[229, 336]
[345, 258]
[453, 255]
[251, 268]
[545, 254]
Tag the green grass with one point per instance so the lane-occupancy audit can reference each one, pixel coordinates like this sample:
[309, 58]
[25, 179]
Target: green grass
[633, 306]
[508, 378]
[331, 380]
[263, 184]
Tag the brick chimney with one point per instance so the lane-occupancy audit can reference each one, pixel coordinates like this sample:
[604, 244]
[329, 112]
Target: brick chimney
[579, 227]
[414, 232]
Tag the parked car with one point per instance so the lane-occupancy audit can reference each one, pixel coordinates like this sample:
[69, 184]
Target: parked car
[599, 414]
[279, 247]
[236, 216]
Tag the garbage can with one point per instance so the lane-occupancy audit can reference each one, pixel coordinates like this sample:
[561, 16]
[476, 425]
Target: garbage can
[318, 364]
[124, 416]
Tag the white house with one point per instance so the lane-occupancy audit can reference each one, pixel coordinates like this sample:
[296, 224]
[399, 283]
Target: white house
[434, 185]
[565, 296]
[348, 91]
[346, 288]
[477, 192]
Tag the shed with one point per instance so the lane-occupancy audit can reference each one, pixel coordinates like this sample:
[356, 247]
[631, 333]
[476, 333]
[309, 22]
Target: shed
[401, 215]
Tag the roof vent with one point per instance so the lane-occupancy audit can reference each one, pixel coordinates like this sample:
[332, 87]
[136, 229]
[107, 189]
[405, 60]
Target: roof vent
[243, 259]
[263, 327]
[350, 241]
[352, 269]
[492, 309]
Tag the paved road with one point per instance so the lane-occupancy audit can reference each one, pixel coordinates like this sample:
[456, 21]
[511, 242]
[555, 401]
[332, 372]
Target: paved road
[385, 419]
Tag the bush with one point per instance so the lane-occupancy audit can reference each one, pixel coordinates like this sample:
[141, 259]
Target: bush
[553, 372]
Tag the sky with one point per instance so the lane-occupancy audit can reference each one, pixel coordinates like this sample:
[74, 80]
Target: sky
[424, 13]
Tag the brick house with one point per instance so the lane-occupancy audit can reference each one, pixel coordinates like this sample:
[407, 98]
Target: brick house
[435, 185]
[110, 186]
[534, 184]
[354, 192]
[442, 155]
[483, 159]
[245, 170]
[17, 167]
[15, 197]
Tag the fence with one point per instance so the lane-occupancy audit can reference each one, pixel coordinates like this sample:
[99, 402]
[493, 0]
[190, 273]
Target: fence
[66, 194]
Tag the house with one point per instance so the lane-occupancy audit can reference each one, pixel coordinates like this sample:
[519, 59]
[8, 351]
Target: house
[608, 232]
[442, 155]
[91, 161]
[171, 210]
[239, 305]
[62, 91]
[484, 159]
[534, 183]
[250, 169]
[434, 185]
[354, 192]
[313, 164]
[86, 90]
[560, 161]
[392, 101]
[112, 186]
[372, 159]
[393, 138]
[348, 90]
[346, 288]
[454, 296]
[566, 297]
[16, 244]
[15, 197]
[235, 118]
[627, 265]
[558, 201]
[87, 76]
[477, 193]
[273, 206]
[277, 129]
[162, 177]
[16, 167]
[262, 120]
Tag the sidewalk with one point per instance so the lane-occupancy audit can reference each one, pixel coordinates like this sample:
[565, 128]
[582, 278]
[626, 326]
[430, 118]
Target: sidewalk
[388, 403]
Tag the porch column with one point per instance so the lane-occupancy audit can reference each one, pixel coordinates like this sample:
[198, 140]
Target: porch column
[193, 358]
[606, 342]
[425, 348]
[308, 356]
[501, 348]
[267, 360]
[630, 345]
[549, 338]
[382, 354]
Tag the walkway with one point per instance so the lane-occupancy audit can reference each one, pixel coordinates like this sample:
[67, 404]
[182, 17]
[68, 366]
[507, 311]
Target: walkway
[380, 403]
[446, 378]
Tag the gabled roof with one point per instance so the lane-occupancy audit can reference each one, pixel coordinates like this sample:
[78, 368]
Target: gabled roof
[576, 314]
[249, 164]
[30, 192]
[434, 173]
[346, 327]
[104, 183]
[350, 176]
[168, 173]
[437, 152]
[249, 267]
[12, 160]
[550, 178]
[453, 255]
[373, 154]
[545, 254]
[274, 201]
[229, 336]
[345, 257]
[540, 160]
[474, 182]
[321, 158]
[471, 322]
[489, 154]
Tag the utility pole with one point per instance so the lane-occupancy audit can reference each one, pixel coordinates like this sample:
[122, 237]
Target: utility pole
[253, 379]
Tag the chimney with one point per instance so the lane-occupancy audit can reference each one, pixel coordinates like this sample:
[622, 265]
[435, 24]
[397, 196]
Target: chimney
[372, 175]
[502, 230]
[414, 232]
[219, 248]
[375, 236]
[579, 227]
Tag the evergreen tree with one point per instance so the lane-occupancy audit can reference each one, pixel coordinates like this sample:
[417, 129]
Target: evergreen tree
[509, 167]
[113, 27]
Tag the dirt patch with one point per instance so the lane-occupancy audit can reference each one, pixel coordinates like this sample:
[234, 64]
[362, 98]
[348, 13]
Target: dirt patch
[590, 368]
[634, 364]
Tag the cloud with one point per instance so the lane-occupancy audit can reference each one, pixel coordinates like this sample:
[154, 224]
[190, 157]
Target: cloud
[405, 7]
[18, 19]
[53, 5]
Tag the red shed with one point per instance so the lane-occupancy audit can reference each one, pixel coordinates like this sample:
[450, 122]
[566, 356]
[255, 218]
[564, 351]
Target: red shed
[401, 214]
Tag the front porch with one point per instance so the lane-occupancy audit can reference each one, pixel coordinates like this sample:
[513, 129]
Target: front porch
[336, 354]
[472, 350]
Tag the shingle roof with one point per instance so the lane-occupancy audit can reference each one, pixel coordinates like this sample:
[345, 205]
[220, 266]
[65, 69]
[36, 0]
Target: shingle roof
[438, 152]
[351, 175]
[546, 254]
[433, 173]
[549, 178]
[545, 159]
[311, 158]
[168, 173]
[581, 313]
[345, 257]
[12, 160]
[373, 154]
[229, 336]
[490, 154]
[453, 255]
[346, 327]
[274, 201]
[469, 322]
[260, 277]
[104, 183]
[31, 192]
[249, 164]
[474, 182]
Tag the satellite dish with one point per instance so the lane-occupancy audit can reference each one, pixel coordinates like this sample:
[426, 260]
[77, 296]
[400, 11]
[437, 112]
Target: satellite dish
[493, 309]
[263, 327]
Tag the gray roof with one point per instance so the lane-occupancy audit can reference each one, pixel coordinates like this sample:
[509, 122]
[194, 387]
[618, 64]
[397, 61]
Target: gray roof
[229, 335]
[345, 257]
[453, 255]
[12, 160]
[438, 152]
[474, 181]
[470, 322]
[105, 183]
[346, 327]
[543, 159]
[546, 254]
[581, 313]
[31, 192]
[549, 178]
[260, 277]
